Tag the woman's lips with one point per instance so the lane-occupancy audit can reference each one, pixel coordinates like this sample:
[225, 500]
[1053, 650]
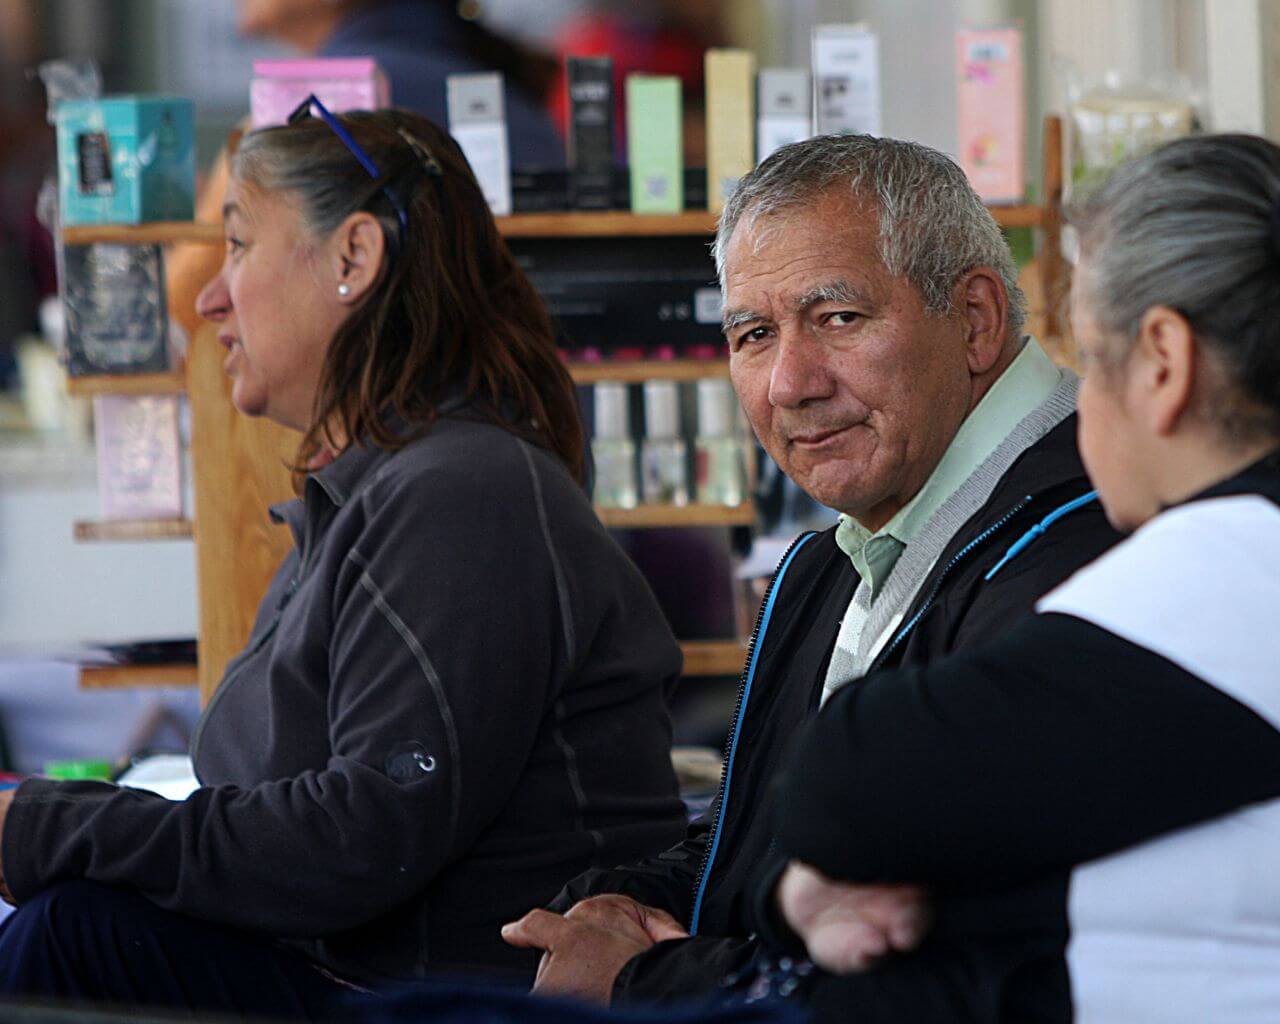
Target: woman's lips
[233, 353]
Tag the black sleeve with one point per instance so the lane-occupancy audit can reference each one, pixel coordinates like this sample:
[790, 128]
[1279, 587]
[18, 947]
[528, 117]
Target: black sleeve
[665, 880]
[681, 971]
[333, 848]
[1051, 746]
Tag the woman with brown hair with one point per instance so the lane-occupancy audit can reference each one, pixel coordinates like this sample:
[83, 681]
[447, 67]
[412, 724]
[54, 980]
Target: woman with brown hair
[452, 700]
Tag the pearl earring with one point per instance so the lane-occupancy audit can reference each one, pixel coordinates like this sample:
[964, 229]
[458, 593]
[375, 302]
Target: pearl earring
[344, 289]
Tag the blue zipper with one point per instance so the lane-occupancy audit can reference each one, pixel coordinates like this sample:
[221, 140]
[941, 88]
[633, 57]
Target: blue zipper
[1023, 542]
[1018, 546]
[937, 584]
[744, 694]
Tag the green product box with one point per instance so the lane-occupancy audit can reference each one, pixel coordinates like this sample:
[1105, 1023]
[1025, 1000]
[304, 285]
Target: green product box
[654, 143]
[126, 160]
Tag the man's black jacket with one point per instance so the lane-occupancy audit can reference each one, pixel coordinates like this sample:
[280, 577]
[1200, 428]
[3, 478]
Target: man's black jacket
[704, 882]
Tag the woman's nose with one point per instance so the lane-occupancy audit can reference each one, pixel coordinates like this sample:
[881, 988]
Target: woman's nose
[214, 301]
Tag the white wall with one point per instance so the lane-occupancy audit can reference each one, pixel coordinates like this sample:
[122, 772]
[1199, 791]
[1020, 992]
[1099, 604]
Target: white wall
[55, 593]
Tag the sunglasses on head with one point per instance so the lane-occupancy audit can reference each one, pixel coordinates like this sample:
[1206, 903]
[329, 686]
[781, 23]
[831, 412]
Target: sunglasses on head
[303, 111]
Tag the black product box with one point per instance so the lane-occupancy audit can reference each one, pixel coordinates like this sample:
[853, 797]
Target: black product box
[626, 293]
[546, 190]
[113, 297]
[590, 132]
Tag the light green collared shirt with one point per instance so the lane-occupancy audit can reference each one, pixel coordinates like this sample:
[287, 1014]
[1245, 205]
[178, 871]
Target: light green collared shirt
[1028, 382]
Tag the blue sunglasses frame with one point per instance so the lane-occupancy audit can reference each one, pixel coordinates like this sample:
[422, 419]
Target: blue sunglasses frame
[303, 110]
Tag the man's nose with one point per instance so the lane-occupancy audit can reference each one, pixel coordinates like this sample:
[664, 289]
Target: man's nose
[214, 301]
[799, 373]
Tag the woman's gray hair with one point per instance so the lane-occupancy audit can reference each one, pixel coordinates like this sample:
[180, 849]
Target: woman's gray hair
[1195, 226]
[933, 228]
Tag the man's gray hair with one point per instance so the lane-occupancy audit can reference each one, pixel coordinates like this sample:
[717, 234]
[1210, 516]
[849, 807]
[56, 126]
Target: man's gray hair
[933, 228]
[1195, 226]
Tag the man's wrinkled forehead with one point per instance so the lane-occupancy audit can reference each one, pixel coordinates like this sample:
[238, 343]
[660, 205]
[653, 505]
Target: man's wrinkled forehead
[836, 290]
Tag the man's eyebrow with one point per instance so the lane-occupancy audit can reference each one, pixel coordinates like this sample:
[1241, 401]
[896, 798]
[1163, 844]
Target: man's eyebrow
[230, 208]
[838, 290]
[735, 318]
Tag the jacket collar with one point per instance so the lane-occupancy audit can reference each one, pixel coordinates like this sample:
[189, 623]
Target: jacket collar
[1261, 477]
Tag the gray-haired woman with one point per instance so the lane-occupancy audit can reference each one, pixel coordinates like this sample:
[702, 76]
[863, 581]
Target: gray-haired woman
[1093, 800]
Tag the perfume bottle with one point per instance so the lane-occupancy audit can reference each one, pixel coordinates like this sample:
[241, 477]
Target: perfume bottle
[664, 475]
[612, 448]
[719, 455]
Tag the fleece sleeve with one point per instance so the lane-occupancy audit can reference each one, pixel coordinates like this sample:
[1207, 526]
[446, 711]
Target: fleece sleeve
[436, 693]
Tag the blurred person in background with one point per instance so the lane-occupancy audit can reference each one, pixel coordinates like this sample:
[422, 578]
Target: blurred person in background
[418, 43]
[26, 147]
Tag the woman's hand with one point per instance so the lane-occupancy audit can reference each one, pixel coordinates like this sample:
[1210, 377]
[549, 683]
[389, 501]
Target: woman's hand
[6, 798]
[847, 927]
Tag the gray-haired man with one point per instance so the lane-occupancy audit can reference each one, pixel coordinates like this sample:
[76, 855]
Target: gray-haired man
[875, 334]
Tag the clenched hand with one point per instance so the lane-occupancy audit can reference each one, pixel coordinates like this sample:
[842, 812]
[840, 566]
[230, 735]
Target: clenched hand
[847, 927]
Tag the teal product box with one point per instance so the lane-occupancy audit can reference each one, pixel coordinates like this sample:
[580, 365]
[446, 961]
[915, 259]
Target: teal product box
[126, 160]
[654, 143]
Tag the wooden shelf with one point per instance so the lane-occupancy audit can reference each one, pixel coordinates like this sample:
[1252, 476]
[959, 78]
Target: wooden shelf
[606, 224]
[161, 232]
[560, 224]
[105, 677]
[89, 531]
[171, 382]
[629, 372]
[644, 517]
[1017, 216]
[714, 657]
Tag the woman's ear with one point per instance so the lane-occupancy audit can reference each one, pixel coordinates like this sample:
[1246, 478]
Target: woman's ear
[1162, 368]
[356, 251]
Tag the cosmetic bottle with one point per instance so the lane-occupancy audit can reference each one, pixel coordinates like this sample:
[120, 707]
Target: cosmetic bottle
[663, 470]
[612, 448]
[719, 454]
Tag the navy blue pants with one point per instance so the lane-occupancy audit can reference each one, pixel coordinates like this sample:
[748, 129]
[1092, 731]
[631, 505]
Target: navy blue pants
[87, 943]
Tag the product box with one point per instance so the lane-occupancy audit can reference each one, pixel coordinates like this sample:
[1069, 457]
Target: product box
[590, 82]
[478, 124]
[786, 105]
[991, 136]
[125, 160]
[139, 456]
[614, 294]
[655, 148]
[846, 79]
[341, 83]
[113, 298]
[731, 122]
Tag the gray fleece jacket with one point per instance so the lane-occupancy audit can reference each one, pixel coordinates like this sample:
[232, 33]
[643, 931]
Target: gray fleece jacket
[451, 703]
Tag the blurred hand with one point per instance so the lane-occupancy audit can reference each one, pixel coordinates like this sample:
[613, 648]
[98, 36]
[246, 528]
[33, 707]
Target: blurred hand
[846, 927]
[587, 947]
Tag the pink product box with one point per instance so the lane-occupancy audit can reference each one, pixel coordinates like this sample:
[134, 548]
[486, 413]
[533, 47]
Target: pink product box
[991, 125]
[342, 83]
[139, 456]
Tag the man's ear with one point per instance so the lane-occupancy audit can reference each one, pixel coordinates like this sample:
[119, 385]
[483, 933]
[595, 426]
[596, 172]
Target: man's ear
[356, 250]
[983, 303]
[1162, 368]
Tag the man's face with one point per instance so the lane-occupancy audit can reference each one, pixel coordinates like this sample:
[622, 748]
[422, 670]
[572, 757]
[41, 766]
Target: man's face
[852, 386]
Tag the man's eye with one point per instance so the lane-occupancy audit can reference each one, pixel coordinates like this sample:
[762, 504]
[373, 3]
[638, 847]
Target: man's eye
[843, 317]
[755, 334]
[234, 245]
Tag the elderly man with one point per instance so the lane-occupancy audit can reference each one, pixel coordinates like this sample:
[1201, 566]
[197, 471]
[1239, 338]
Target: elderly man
[875, 336]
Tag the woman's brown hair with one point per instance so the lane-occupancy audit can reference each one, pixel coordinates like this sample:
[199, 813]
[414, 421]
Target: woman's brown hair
[452, 314]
